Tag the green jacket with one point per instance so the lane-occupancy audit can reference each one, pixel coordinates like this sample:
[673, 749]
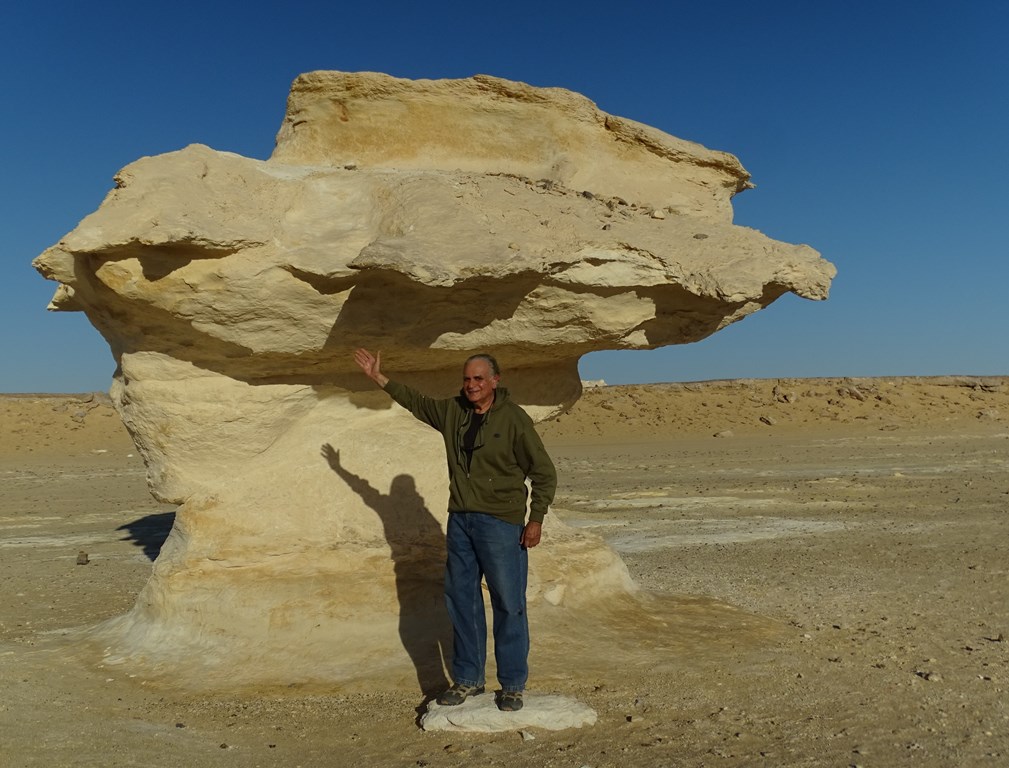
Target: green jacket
[507, 451]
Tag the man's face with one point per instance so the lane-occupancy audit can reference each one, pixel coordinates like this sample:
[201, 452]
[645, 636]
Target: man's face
[479, 382]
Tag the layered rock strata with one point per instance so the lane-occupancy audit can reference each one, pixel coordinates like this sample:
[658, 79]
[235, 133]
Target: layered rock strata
[425, 219]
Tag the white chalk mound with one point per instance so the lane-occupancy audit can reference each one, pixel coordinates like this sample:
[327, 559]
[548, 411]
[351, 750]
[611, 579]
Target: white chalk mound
[424, 219]
[480, 714]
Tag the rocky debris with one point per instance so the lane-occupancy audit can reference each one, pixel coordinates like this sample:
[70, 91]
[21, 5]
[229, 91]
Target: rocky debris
[704, 408]
[990, 385]
[82, 406]
[853, 392]
[781, 396]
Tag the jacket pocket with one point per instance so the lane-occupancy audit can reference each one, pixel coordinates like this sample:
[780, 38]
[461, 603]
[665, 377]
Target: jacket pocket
[501, 491]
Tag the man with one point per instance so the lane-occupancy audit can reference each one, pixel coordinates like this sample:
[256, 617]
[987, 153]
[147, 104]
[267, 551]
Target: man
[492, 448]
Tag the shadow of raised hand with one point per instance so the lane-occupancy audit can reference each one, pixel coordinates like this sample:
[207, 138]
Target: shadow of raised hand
[332, 457]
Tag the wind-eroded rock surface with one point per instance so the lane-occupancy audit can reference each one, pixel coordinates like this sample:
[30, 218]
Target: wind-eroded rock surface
[427, 219]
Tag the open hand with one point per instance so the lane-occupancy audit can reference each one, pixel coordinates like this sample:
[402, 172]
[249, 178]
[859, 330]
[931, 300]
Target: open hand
[331, 455]
[371, 365]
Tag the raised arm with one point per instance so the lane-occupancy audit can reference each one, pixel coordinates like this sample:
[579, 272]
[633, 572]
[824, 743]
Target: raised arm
[371, 365]
[430, 411]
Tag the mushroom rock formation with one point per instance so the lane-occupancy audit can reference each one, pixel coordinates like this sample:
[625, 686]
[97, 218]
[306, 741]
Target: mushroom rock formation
[425, 219]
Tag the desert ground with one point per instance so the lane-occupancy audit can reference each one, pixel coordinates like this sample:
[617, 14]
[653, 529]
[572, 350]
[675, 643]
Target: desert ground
[835, 551]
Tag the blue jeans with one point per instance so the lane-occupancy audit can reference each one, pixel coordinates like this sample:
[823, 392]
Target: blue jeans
[484, 545]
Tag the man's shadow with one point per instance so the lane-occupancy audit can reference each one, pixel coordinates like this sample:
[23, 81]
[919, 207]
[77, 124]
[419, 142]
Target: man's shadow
[418, 554]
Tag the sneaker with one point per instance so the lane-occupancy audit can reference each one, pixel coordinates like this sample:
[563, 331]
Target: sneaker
[457, 694]
[509, 701]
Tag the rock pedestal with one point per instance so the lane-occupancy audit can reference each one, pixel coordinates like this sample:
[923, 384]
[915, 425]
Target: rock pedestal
[425, 219]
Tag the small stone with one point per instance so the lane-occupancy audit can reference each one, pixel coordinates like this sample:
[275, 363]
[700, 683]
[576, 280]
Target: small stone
[768, 420]
[725, 433]
[657, 214]
[527, 736]
[853, 392]
[781, 396]
[82, 558]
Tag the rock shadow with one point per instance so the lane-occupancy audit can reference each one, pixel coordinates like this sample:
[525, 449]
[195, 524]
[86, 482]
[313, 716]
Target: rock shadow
[418, 553]
[149, 532]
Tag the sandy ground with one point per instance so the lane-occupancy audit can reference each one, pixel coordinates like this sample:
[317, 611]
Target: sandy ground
[856, 528]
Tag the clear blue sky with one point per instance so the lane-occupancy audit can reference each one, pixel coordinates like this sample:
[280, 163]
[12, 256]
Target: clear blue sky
[877, 132]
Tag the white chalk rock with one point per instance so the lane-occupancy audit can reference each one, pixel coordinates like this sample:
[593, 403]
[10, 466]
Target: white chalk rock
[425, 219]
[480, 714]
